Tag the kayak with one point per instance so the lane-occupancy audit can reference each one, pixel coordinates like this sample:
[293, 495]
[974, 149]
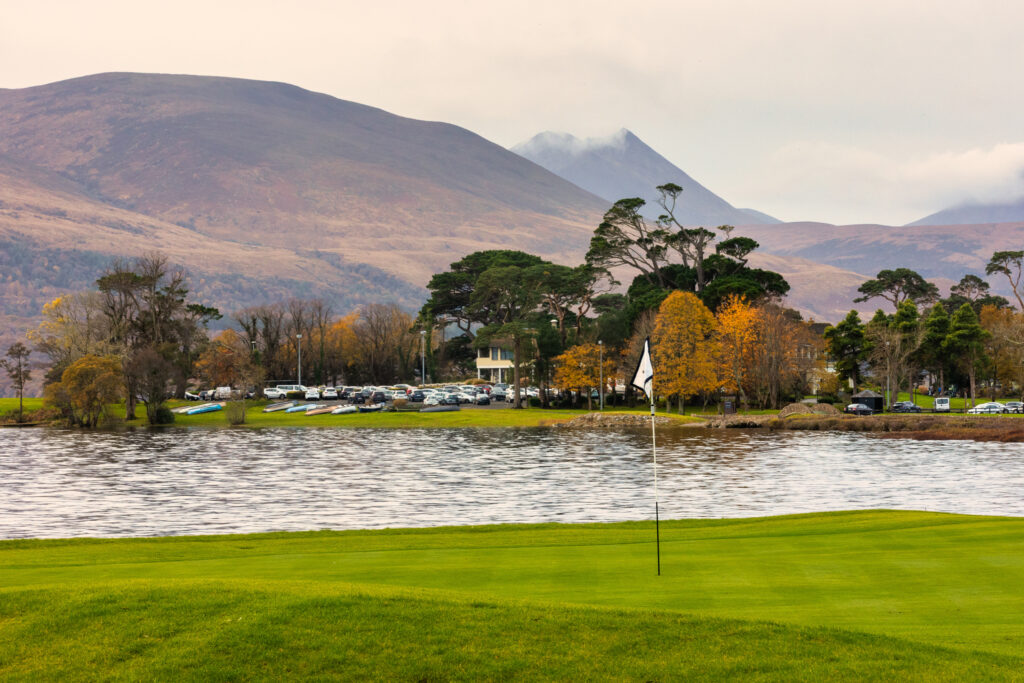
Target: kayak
[439, 409]
[274, 407]
[375, 408]
[301, 408]
[208, 408]
[320, 411]
[345, 410]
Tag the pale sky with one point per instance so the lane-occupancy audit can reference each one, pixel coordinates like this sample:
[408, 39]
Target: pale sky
[871, 111]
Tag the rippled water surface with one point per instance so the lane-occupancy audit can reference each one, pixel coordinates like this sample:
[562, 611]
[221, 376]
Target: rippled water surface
[57, 483]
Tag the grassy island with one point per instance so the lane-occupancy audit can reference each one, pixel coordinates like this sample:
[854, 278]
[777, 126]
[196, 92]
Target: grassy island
[873, 595]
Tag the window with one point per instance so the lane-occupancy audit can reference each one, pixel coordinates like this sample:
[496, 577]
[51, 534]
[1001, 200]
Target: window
[481, 353]
[507, 354]
[494, 353]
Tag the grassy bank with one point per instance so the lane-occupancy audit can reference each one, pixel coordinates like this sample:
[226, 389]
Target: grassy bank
[1003, 428]
[859, 596]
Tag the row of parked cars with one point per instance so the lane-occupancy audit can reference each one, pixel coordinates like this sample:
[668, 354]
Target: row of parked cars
[448, 395]
[993, 407]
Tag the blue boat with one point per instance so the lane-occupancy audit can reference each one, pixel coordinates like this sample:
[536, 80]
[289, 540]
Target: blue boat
[208, 408]
[300, 408]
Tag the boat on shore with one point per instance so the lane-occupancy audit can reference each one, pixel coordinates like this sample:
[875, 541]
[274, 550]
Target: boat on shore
[274, 407]
[322, 410]
[345, 410]
[300, 408]
[373, 408]
[207, 408]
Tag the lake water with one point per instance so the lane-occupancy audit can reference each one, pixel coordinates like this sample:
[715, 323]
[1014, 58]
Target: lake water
[57, 483]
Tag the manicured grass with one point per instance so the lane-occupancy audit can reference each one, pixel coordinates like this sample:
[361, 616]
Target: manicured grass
[859, 596]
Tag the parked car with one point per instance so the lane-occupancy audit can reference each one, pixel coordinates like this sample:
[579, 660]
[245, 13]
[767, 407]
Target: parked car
[987, 409]
[206, 395]
[190, 396]
[482, 399]
[858, 409]
[941, 404]
[222, 393]
[312, 394]
[329, 394]
[357, 397]
[450, 400]
[379, 397]
[281, 390]
[1014, 407]
[416, 396]
[905, 407]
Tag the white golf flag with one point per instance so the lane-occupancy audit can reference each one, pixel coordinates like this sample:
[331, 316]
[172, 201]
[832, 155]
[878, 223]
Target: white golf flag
[644, 377]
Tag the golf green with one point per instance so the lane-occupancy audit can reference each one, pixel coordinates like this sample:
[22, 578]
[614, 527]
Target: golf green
[859, 595]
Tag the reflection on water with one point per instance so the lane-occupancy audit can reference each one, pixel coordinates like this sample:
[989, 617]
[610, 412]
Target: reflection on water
[56, 483]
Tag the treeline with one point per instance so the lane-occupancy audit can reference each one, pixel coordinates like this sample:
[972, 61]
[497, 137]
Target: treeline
[970, 336]
[136, 336]
[566, 327]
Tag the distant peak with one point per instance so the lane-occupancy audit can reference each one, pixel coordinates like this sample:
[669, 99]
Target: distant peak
[567, 142]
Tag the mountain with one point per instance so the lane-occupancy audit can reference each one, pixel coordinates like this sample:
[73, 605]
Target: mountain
[967, 214]
[622, 165]
[251, 163]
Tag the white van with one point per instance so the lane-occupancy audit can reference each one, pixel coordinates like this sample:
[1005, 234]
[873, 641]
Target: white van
[942, 404]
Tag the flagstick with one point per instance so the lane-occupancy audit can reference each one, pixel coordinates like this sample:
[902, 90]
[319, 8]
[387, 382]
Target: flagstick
[654, 452]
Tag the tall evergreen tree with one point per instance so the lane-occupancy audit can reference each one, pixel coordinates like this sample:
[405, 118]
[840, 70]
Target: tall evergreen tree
[965, 343]
[848, 347]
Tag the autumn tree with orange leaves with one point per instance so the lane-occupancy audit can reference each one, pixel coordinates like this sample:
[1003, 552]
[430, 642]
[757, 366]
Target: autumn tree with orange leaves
[737, 337]
[685, 350]
[581, 368]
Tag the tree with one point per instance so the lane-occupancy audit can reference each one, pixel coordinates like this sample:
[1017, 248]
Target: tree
[974, 291]
[897, 286]
[451, 291]
[690, 243]
[737, 324]
[848, 347]
[17, 367]
[1005, 344]
[684, 351]
[87, 387]
[1009, 263]
[502, 299]
[582, 367]
[965, 343]
[624, 238]
[150, 374]
[933, 355]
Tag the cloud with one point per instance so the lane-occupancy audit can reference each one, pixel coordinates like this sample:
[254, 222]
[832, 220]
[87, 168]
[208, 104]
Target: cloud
[848, 184]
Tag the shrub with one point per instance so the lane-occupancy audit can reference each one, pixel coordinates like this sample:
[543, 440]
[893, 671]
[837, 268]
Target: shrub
[534, 402]
[400, 403]
[234, 411]
[162, 416]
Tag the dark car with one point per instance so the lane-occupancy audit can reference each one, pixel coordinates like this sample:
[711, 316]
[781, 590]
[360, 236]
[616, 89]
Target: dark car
[483, 399]
[357, 397]
[858, 409]
[378, 397]
[416, 396]
[450, 400]
[905, 407]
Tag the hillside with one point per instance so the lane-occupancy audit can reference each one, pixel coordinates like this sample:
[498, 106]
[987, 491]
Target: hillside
[623, 165]
[967, 214]
[257, 163]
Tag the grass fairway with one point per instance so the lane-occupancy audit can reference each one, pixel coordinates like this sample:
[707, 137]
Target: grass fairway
[857, 596]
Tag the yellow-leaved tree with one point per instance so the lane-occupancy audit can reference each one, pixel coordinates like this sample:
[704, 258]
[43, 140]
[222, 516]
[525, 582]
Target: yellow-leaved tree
[737, 334]
[684, 347]
[580, 368]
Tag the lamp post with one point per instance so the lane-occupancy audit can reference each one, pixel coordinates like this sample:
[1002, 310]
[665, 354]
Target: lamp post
[423, 357]
[298, 344]
[600, 369]
[888, 373]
